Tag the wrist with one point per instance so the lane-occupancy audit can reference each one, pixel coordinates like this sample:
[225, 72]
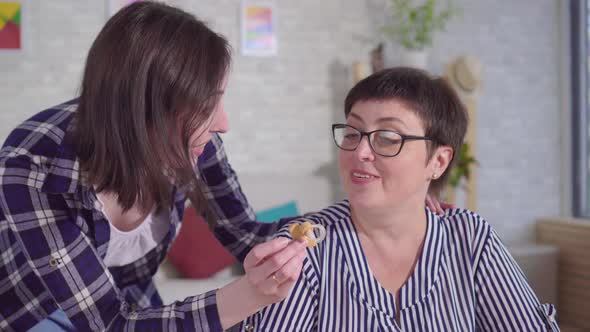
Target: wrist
[238, 300]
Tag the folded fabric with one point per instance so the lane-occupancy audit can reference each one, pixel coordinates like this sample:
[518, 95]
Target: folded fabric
[195, 252]
[275, 213]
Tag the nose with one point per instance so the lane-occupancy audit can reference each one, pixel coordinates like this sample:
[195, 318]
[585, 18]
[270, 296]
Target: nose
[220, 122]
[363, 150]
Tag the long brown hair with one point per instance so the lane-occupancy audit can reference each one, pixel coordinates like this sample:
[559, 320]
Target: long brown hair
[152, 77]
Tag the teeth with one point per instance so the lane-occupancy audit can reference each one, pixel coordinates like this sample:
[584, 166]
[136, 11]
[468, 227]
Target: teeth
[364, 176]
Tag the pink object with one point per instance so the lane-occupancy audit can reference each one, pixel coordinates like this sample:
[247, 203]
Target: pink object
[196, 253]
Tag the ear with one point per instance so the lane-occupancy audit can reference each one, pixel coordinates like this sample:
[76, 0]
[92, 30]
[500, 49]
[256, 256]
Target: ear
[440, 160]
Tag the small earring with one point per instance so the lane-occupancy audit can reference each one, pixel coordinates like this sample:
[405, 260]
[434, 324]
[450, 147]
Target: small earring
[434, 176]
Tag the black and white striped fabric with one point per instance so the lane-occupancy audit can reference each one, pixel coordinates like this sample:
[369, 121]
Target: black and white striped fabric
[464, 280]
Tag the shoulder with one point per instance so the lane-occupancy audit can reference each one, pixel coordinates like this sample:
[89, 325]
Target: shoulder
[464, 221]
[32, 145]
[41, 134]
[331, 216]
[467, 228]
[49, 125]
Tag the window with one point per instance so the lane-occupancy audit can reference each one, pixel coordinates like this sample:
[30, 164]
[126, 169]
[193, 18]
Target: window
[580, 41]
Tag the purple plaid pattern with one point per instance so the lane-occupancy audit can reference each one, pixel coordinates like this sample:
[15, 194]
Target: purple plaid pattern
[53, 238]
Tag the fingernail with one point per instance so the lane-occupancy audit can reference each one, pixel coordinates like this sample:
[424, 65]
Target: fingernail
[283, 241]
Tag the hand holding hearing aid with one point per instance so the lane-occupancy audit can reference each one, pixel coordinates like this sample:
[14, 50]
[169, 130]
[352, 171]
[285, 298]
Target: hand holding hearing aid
[306, 231]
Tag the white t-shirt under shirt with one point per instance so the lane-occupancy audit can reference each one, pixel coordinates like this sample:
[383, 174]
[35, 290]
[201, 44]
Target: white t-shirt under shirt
[127, 247]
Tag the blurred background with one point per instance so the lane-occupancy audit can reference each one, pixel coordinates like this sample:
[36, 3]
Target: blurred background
[521, 67]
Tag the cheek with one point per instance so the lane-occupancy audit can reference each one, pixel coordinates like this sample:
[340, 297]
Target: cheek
[341, 158]
[201, 141]
[198, 136]
[405, 174]
[197, 143]
[344, 161]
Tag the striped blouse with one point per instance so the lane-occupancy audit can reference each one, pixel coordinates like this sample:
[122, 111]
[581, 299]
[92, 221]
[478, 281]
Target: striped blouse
[464, 280]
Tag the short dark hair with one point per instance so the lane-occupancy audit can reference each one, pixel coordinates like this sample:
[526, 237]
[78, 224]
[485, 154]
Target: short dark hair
[153, 75]
[431, 97]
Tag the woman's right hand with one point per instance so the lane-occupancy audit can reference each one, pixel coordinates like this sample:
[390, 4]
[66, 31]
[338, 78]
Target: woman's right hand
[273, 267]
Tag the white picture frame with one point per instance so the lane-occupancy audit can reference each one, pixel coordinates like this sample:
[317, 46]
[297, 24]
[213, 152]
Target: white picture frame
[7, 26]
[258, 28]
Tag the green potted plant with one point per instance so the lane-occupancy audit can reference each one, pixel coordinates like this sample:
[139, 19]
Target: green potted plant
[413, 24]
[461, 171]
[462, 167]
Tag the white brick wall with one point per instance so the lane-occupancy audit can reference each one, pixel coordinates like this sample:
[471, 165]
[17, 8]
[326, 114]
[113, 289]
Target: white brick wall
[281, 107]
[519, 111]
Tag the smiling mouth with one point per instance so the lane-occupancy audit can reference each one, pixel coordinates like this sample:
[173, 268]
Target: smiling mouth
[363, 175]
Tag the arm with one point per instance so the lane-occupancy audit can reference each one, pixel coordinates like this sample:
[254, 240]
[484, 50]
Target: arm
[235, 222]
[264, 268]
[64, 259]
[505, 301]
[298, 312]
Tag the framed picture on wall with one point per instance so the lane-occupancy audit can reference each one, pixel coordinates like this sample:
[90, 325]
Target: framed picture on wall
[258, 28]
[12, 32]
[114, 6]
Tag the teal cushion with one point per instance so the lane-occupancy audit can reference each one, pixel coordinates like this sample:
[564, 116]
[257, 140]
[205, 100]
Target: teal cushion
[275, 213]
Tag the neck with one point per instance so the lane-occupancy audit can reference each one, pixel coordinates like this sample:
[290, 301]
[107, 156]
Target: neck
[391, 226]
[122, 220]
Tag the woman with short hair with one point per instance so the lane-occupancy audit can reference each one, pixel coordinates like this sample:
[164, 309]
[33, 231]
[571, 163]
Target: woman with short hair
[388, 263]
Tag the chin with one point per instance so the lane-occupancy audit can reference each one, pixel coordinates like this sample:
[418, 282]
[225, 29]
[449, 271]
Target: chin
[196, 152]
[365, 199]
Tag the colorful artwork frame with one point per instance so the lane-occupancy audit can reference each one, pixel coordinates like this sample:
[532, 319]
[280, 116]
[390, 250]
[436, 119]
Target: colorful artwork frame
[12, 29]
[258, 28]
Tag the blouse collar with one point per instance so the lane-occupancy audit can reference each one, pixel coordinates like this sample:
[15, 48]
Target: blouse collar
[419, 284]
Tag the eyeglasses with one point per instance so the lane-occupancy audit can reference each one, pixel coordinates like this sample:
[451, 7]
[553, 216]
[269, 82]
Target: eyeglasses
[386, 143]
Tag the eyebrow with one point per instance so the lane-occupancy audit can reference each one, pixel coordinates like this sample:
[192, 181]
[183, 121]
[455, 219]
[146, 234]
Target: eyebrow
[380, 120]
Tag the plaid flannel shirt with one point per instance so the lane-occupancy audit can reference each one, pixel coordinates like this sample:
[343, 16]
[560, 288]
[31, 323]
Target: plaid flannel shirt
[53, 238]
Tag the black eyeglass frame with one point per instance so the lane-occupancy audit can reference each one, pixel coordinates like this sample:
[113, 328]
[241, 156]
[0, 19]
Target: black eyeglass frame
[368, 134]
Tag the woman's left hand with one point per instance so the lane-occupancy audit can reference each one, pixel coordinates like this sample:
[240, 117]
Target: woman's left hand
[436, 206]
[273, 267]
